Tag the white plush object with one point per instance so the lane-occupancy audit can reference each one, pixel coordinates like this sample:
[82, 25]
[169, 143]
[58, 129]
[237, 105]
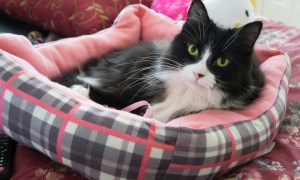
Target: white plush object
[230, 13]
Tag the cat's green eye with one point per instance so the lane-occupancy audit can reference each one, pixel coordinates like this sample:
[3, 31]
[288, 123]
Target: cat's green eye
[222, 62]
[193, 50]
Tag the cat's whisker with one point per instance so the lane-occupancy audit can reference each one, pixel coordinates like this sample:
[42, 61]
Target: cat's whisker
[141, 70]
[164, 65]
[146, 79]
[171, 65]
[202, 21]
[228, 83]
[136, 71]
[154, 54]
[163, 58]
[194, 29]
[167, 64]
[168, 59]
[142, 60]
[191, 38]
[170, 68]
[191, 35]
[145, 86]
[201, 32]
[231, 39]
[133, 84]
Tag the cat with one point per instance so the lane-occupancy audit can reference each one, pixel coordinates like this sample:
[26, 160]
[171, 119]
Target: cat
[205, 66]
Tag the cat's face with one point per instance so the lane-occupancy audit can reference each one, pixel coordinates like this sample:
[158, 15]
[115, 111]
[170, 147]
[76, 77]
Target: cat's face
[207, 56]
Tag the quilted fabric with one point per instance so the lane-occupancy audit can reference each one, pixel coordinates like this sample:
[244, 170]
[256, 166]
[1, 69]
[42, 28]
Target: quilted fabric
[68, 17]
[102, 143]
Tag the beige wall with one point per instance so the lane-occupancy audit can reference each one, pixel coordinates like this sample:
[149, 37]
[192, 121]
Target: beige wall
[286, 11]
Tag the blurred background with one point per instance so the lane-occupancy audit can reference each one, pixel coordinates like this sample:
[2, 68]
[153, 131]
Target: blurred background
[286, 11]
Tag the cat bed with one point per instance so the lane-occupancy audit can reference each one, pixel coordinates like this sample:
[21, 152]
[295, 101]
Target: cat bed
[104, 143]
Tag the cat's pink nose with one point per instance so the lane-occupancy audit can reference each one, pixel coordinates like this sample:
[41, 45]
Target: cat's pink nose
[197, 75]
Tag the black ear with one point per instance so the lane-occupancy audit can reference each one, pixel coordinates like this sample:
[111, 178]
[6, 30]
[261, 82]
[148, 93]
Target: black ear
[249, 33]
[198, 12]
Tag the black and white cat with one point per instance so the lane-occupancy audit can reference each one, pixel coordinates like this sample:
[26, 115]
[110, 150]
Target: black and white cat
[203, 67]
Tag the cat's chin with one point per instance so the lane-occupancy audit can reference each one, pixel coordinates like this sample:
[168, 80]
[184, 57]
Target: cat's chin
[197, 85]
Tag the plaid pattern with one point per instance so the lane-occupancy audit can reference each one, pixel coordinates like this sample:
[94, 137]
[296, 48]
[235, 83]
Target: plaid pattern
[101, 143]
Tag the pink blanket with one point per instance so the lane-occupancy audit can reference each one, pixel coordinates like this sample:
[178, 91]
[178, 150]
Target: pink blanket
[53, 58]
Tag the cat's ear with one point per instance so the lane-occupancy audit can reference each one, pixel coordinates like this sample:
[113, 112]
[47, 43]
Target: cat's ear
[198, 12]
[249, 33]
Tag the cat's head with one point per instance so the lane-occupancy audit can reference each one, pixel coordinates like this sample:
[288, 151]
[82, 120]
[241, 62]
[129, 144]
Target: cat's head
[207, 56]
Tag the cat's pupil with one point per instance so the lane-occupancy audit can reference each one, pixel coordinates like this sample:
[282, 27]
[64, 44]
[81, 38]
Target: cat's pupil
[247, 13]
[193, 49]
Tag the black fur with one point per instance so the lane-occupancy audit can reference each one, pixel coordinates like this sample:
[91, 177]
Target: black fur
[124, 74]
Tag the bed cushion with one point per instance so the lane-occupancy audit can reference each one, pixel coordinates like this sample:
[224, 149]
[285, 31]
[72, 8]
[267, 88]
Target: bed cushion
[105, 143]
[68, 17]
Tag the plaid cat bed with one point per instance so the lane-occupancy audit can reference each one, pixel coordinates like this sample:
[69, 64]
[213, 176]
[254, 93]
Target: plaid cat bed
[104, 143]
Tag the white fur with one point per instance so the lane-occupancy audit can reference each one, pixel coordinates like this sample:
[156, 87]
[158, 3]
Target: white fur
[186, 93]
[81, 90]
[94, 82]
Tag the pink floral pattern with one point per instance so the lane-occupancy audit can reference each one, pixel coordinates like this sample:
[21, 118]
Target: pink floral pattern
[68, 17]
[31, 164]
[248, 173]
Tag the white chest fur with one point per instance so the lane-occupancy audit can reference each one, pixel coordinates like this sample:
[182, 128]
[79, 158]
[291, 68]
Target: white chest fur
[187, 93]
[183, 98]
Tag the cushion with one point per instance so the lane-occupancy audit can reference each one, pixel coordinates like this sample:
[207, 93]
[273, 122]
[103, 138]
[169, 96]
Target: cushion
[68, 17]
[175, 9]
[104, 143]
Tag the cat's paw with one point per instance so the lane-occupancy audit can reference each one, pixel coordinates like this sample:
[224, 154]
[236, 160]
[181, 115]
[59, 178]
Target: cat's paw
[81, 90]
[161, 114]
